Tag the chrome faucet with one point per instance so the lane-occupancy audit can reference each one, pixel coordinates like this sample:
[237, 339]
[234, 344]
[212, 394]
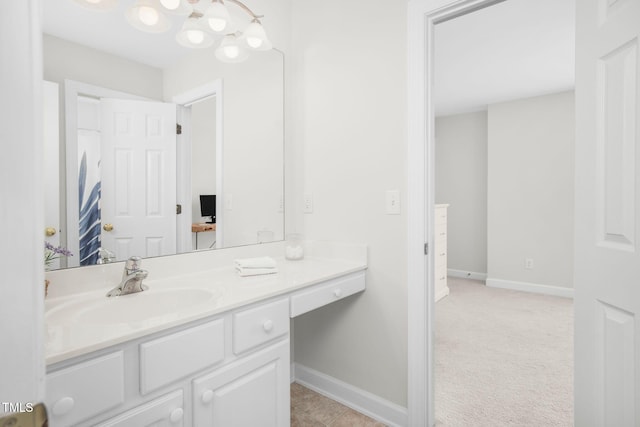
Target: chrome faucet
[105, 256]
[132, 278]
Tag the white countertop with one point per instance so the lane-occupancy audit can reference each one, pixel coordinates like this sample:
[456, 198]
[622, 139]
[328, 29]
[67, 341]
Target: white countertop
[214, 290]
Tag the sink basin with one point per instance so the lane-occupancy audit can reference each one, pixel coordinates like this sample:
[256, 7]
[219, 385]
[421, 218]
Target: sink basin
[136, 307]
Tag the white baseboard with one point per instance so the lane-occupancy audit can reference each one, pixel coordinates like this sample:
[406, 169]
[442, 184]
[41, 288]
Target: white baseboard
[362, 401]
[466, 274]
[531, 287]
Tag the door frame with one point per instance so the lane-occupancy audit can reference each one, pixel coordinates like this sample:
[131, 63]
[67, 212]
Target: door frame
[72, 90]
[184, 101]
[422, 17]
[21, 252]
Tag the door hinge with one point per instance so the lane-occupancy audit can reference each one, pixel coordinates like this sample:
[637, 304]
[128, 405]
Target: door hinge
[178, 129]
[178, 209]
[426, 249]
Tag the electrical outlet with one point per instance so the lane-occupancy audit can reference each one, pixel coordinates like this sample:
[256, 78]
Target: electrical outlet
[528, 263]
[393, 202]
[281, 204]
[228, 202]
[307, 202]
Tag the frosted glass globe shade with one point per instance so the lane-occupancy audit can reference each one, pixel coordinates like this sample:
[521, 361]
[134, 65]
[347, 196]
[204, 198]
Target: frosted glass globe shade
[170, 4]
[195, 36]
[231, 52]
[254, 42]
[217, 24]
[148, 15]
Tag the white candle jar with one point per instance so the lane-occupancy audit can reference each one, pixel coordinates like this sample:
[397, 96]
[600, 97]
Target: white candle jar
[293, 247]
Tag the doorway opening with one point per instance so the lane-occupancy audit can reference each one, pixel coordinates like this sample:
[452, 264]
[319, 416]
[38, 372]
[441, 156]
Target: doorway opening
[504, 136]
[423, 185]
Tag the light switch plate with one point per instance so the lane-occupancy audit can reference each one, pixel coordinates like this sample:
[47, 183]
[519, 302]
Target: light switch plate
[228, 202]
[393, 202]
[307, 203]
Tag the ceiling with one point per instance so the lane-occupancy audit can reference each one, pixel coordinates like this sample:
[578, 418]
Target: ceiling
[514, 49]
[110, 32]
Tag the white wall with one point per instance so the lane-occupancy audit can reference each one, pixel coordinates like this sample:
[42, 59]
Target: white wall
[254, 134]
[67, 60]
[253, 141]
[350, 132]
[203, 163]
[530, 190]
[461, 181]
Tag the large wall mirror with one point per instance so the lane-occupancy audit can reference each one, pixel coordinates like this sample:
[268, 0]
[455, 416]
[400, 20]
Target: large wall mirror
[122, 178]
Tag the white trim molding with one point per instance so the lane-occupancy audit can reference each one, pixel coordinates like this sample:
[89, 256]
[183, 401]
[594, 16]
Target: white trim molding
[535, 288]
[422, 16]
[442, 293]
[357, 399]
[184, 101]
[22, 215]
[466, 274]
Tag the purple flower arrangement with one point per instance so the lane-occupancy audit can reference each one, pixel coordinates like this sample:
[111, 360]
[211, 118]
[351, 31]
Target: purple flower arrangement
[51, 253]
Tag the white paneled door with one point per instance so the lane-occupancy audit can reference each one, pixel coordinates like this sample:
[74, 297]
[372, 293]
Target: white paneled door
[138, 204]
[607, 257]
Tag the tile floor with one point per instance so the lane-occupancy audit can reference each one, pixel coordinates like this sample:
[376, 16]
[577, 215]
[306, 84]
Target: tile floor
[310, 409]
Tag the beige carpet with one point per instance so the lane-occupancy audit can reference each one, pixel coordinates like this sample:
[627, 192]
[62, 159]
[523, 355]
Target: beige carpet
[503, 358]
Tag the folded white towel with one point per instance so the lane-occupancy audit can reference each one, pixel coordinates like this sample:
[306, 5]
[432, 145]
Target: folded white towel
[260, 262]
[243, 272]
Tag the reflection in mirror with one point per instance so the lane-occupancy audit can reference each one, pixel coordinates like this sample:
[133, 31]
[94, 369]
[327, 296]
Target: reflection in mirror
[129, 183]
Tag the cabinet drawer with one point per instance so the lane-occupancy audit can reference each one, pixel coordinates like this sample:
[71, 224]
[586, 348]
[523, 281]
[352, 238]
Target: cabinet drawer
[86, 389]
[324, 294]
[258, 325]
[167, 411]
[167, 359]
[440, 216]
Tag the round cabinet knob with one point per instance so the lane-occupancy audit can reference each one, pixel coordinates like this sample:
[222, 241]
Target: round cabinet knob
[207, 396]
[267, 326]
[107, 227]
[337, 293]
[63, 406]
[176, 415]
[50, 231]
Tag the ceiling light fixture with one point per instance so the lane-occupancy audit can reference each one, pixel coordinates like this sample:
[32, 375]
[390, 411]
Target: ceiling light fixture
[206, 22]
[102, 5]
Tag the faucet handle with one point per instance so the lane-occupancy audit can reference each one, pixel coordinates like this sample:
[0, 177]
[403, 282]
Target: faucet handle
[105, 256]
[133, 263]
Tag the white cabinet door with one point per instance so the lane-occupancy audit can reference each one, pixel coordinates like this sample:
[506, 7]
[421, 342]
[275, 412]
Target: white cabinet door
[607, 251]
[252, 392]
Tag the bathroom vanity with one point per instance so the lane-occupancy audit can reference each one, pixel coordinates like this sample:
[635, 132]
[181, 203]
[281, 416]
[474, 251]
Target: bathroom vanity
[207, 348]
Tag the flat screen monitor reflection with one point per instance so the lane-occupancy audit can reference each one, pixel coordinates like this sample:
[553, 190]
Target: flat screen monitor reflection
[208, 207]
